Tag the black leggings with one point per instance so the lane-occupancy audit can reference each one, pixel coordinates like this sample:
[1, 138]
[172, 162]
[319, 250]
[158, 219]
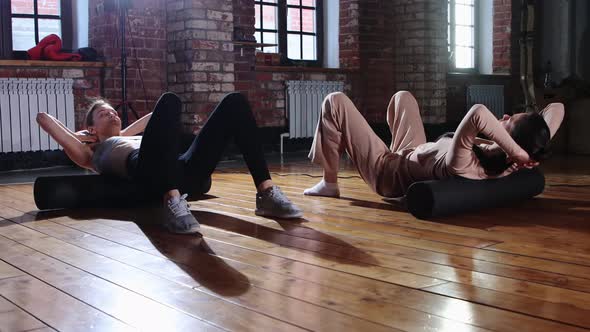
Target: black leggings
[159, 167]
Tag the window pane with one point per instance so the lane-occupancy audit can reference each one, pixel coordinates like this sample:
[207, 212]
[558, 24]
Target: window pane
[293, 19]
[23, 33]
[464, 15]
[309, 49]
[464, 2]
[293, 46]
[294, 2]
[271, 1]
[48, 7]
[464, 36]
[464, 57]
[270, 17]
[258, 39]
[309, 3]
[271, 38]
[257, 16]
[22, 7]
[308, 21]
[49, 26]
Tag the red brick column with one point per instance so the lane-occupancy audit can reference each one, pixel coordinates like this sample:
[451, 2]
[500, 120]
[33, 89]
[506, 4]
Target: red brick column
[376, 57]
[200, 55]
[247, 81]
[420, 54]
[502, 36]
[349, 34]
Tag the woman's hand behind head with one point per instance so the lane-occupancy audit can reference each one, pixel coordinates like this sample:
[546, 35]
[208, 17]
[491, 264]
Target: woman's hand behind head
[523, 160]
[532, 134]
[86, 137]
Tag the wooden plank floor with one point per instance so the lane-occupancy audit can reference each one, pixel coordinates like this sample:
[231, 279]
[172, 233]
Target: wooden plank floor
[352, 264]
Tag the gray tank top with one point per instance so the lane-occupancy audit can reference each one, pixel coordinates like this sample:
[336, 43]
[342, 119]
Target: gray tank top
[110, 156]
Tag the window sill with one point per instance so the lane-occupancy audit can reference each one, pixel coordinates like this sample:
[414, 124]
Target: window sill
[40, 63]
[478, 74]
[303, 69]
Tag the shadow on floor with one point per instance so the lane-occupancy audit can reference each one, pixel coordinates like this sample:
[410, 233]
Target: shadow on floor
[194, 256]
[573, 215]
[189, 252]
[388, 204]
[294, 234]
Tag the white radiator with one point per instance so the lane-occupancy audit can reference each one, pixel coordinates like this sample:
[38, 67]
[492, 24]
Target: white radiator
[304, 104]
[492, 96]
[20, 101]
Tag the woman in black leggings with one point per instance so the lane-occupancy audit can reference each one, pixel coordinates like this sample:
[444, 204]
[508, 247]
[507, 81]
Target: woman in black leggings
[155, 162]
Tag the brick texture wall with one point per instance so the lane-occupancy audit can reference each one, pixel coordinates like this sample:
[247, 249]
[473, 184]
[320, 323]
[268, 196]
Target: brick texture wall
[265, 87]
[376, 55]
[420, 55]
[395, 45]
[200, 55]
[87, 83]
[186, 47]
[349, 34]
[502, 36]
[146, 50]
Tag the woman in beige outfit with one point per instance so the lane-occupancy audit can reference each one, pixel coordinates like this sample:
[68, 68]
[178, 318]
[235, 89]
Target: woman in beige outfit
[515, 142]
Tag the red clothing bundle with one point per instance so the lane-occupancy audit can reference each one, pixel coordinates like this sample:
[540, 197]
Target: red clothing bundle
[49, 48]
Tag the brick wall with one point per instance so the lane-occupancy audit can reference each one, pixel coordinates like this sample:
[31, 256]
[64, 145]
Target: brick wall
[265, 89]
[146, 50]
[201, 62]
[502, 36]
[87, 82]
[265, 86]
[186, 46]
[200, 55]
[376, 58]
[420, 55]
[349, 34]
[388, 45]
[244, 68]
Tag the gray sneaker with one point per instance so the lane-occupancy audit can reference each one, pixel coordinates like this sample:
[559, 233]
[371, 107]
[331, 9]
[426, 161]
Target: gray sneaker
[273, 203]
[179, 218]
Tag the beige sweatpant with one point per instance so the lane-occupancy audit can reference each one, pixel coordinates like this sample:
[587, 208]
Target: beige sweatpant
[343, 128]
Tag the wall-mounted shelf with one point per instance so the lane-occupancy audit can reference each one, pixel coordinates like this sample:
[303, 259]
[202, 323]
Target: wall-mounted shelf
[43, 63]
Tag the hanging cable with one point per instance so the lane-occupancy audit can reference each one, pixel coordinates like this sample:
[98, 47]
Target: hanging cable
[132, 38]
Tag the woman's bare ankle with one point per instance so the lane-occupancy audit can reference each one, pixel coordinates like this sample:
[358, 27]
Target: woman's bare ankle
[330, 177]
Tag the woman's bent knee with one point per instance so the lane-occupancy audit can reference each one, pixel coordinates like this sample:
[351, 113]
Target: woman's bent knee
[235, 97]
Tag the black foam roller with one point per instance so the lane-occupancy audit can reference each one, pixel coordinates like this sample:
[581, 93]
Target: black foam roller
[451, 196]
[97, 191]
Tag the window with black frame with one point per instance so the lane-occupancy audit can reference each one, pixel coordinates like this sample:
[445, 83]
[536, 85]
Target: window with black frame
[267, 24]
[295, 26]
[462, 28]
[26, 22]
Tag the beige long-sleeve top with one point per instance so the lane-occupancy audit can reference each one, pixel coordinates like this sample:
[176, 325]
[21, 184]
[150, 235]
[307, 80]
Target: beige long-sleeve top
[455, 156]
